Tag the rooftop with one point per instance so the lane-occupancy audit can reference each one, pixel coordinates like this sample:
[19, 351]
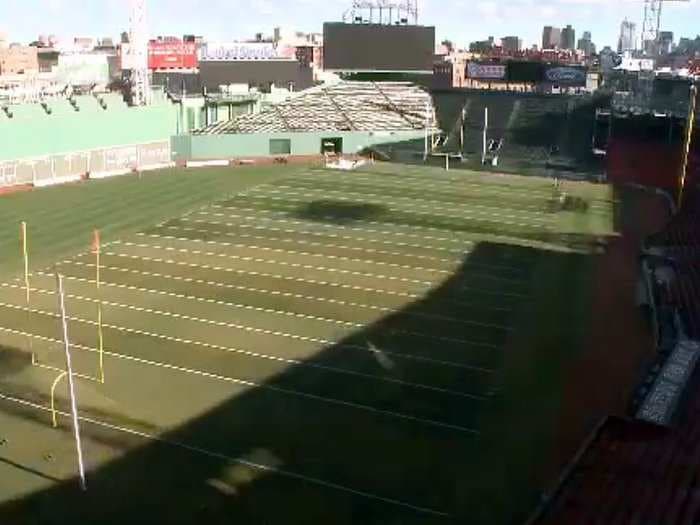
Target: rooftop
[346, 106]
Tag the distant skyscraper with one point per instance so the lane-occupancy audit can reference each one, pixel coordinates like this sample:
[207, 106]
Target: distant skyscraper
[665, 42]
[511, 44]
[568, 38]
[628, 36]
[482, 46]
[586, 45]
[551, 37]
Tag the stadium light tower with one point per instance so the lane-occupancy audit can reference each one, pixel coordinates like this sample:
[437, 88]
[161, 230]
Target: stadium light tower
[651, 24]
[386, 11]
[137, 53]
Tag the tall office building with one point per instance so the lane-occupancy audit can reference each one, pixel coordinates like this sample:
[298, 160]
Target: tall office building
[568, 38]
[628, 36]
[665, 42]
[551, 37]
[511, 44]
[586, 44]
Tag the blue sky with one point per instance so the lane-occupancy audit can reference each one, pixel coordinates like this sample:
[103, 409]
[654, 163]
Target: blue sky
[461, 20]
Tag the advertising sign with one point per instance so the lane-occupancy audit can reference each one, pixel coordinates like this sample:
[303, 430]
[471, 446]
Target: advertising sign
[486, 71]
[227, 51]
[172, 55]
[565, 76]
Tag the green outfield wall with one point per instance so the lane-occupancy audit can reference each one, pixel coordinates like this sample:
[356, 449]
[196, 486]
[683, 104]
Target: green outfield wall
[60, 128]
[209, 147]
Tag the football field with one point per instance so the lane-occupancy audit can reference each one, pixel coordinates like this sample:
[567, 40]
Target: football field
[294, 344]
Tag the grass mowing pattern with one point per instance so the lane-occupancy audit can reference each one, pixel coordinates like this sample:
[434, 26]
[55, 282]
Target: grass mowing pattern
[405, 363]
[61, 219]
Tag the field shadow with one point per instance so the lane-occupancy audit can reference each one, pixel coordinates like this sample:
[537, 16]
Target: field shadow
[336, 463]
[340, 212]
[12, 361]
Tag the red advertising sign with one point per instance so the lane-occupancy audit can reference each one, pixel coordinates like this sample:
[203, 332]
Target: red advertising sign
[172, 55]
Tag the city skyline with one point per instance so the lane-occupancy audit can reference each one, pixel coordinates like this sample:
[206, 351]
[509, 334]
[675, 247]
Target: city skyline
[69, 18]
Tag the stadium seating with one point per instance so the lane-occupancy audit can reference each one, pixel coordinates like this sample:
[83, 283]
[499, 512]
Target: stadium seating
[538, 131]
[346, 106]
[646, 162]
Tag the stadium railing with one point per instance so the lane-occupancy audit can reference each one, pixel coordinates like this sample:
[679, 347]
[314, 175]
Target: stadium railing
[97, 163]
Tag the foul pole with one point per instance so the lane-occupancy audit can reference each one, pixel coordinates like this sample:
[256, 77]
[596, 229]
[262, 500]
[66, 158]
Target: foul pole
[689, 128]
[486, 128]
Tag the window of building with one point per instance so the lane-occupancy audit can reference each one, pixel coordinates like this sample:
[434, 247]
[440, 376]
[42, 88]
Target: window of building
[280, 146]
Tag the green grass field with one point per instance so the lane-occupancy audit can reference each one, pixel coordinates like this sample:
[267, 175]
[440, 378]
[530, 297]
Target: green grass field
[295, 345]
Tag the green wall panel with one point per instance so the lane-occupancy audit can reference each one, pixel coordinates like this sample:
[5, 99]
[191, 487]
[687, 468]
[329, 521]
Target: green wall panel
[33, 133]
[209, 147]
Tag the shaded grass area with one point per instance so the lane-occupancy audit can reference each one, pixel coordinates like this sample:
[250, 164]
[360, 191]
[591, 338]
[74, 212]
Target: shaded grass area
[377, 378]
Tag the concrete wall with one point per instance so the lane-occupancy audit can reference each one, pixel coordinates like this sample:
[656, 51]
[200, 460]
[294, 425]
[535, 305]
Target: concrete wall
[210, 147]
[31, 132]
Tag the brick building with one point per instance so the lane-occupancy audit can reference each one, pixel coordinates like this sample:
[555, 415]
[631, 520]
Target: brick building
[16, 60]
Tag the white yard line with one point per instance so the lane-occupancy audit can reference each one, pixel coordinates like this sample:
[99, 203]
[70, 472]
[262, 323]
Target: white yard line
[378, 198]
[303, 254]
[255, 260]
[283, 251]
[292, 265]
[219, 284]
[437, 192]
[324, 235]
[298, 231]
[274, 333]
[262, 291]
[439, 185]
[257, 355]
[301, 242]
[283, 218]
[289, 204]
[334, 401]
[234, 460]
[426, 183]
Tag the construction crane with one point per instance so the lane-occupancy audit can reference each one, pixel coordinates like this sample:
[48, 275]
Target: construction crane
[651, 24]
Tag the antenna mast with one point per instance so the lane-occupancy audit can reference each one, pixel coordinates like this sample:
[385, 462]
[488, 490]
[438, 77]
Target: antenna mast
[138, 53]
[382, 12]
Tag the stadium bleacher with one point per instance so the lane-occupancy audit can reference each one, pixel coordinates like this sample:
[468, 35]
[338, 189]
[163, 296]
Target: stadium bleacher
[538, 132]
[346, 106]
[644, 469]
